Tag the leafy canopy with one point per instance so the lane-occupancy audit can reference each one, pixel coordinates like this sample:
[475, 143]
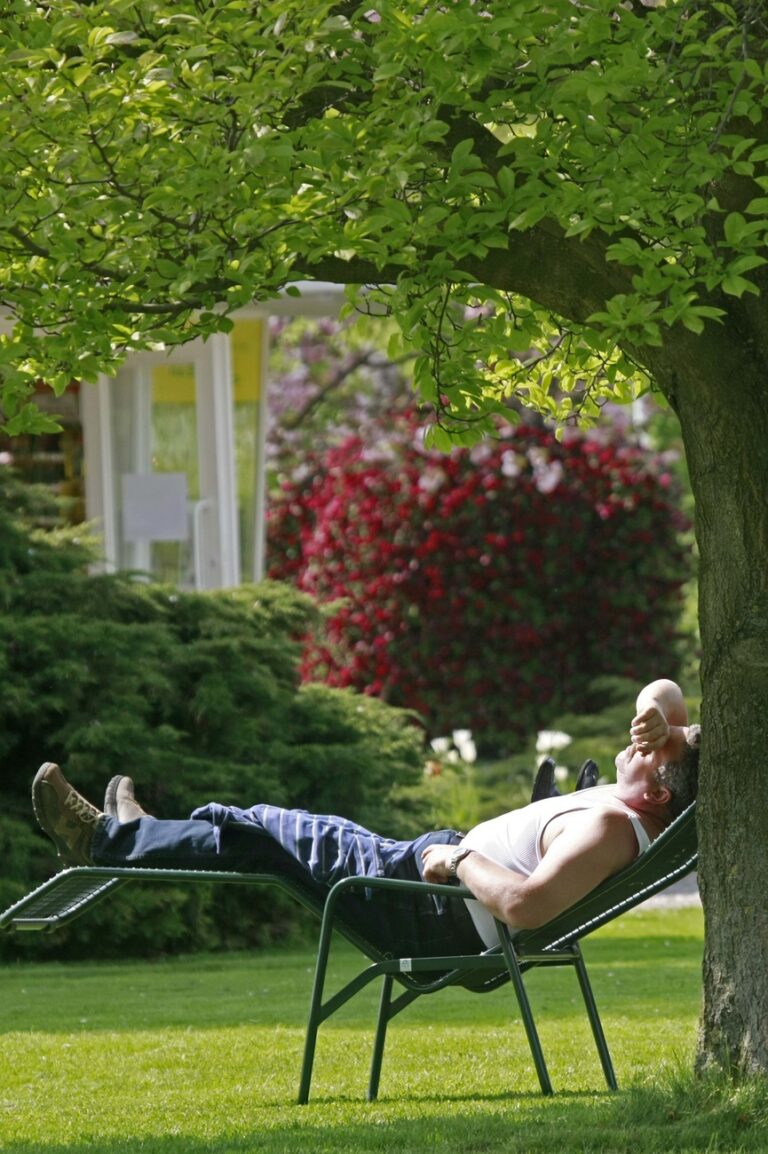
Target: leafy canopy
[538, 191]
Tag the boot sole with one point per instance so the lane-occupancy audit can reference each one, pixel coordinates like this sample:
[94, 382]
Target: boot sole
[110, 795]
[40, 788]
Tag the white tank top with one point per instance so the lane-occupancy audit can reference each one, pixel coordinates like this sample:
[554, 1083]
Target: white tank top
[514, 839]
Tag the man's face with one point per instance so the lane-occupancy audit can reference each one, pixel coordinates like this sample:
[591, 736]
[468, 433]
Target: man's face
[636, 771]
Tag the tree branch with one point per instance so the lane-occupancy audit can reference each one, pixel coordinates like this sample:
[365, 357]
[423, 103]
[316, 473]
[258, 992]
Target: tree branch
[567, 275]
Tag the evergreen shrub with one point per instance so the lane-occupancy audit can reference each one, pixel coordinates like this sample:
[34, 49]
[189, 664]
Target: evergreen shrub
[487, 588]
[197, 696]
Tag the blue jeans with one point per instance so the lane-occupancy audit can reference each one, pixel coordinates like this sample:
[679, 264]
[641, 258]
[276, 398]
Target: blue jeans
[317, 848]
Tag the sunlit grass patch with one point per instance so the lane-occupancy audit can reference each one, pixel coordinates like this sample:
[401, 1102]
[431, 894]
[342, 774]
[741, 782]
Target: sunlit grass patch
[203, 1054]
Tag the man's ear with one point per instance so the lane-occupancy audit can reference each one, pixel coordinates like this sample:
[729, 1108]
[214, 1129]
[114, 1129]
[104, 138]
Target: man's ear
[660, 794]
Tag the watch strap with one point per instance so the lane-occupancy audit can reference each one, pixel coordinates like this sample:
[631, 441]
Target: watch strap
[456, 857]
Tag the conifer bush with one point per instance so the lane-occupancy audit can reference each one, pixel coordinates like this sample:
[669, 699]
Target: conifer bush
[197, 696]
[484, 588]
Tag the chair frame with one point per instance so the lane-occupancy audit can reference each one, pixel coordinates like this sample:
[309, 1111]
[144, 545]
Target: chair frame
[672, 856]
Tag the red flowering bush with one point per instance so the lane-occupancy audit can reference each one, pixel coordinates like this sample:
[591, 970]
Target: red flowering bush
[489, 587]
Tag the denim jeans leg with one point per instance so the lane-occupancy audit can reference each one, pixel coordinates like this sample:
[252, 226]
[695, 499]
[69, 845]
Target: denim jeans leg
[405, 924]
[186, 844]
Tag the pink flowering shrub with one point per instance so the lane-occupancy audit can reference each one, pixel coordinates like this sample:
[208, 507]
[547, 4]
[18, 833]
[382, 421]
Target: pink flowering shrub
[486, 588]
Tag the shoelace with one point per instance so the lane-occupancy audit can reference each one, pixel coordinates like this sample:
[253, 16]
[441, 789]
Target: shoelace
[82, 808]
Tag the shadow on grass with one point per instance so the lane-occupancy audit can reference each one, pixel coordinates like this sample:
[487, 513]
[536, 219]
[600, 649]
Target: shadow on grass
[681, 1118]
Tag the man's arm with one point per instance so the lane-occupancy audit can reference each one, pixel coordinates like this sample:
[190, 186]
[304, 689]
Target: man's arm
[593, 845]
[661, 713]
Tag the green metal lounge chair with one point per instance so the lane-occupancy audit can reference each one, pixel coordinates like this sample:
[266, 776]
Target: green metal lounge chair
[672, 856]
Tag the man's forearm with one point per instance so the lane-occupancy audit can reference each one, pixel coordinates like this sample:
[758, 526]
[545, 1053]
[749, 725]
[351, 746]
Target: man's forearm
[502, 891]
[667, 697]
[661, 718]
[505, 893]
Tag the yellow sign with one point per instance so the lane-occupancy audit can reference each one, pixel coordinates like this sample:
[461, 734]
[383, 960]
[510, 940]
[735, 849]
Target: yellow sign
[247, 358]
[174, 384]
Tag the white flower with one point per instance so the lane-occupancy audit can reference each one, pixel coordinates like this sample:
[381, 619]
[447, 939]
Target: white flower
[440, 744]
[549, 477]
[510, 465]
[431, 480]
[547, 473]
[462, 739]
[548, 740]
[479, 454]
[561, 773]
[458, 747]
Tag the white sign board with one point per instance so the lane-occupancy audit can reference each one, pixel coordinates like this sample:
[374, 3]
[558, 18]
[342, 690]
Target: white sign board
[155, 507]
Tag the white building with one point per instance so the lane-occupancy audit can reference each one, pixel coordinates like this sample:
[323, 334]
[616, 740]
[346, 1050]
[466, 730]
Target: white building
[173, 452]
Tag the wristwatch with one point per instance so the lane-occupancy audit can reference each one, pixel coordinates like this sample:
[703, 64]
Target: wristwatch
[457, 856]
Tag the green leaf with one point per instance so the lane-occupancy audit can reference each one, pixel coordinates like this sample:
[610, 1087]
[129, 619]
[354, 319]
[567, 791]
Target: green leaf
[736, 228]
[30, 419]
[462, 150]
[736, 286]
[119, 38]
[436, 437]
[387, 70]
[506, 181]
[746, 264]
[528, 218]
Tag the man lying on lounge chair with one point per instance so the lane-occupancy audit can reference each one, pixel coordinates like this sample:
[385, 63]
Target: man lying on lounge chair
[523, 867]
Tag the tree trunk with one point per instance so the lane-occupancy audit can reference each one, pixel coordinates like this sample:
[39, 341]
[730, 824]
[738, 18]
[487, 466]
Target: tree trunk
[717, 384]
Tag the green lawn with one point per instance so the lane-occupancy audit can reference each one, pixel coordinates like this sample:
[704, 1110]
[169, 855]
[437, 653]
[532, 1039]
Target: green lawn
[203, 1054]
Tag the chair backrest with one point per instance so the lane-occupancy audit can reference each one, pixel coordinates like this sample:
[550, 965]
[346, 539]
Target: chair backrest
[669, 858]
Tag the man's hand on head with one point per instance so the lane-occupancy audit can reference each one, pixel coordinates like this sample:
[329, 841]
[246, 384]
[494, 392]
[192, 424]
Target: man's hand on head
[650, 730]
[661, 717]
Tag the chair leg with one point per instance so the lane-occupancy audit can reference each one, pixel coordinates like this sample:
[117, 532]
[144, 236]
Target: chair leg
[526, 1012]
[381, 1035]
[532, 1033]
[594, 1019]
[310, 1042]
[315, 1008]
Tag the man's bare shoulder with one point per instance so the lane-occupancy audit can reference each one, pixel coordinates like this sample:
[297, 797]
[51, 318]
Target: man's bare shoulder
[590, 846]
[585, 828]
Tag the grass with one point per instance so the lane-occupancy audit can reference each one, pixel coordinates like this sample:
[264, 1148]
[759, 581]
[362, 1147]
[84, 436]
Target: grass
[203, 1054]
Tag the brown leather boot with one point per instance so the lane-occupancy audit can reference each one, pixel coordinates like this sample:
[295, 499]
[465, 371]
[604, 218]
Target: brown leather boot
[69, 820]
[120, 802]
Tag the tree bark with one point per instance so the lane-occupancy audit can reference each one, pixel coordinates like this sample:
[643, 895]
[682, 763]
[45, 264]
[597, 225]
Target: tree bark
[717, 384]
